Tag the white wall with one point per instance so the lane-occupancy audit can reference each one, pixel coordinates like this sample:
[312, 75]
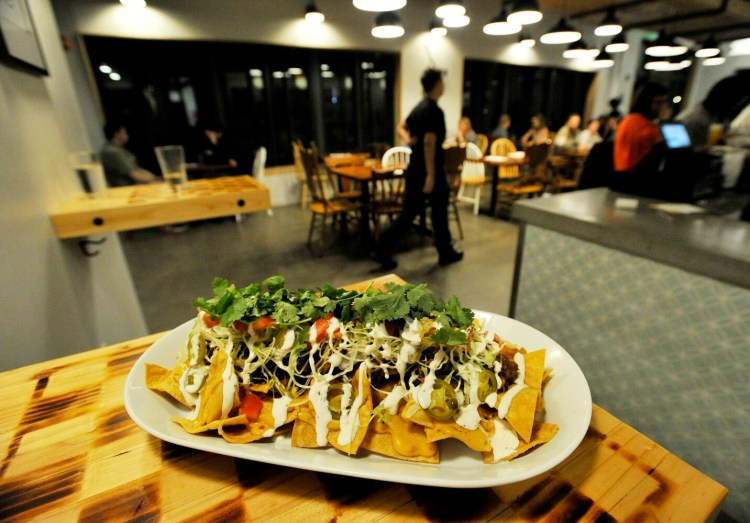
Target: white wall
[707, 76]
[54, 300]
[280, 22]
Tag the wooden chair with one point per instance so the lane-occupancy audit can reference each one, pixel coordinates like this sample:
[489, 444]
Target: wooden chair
[472, 176]
[398, 155]
[537, 159]
[455, 157]
[530, 184]
[501, 147]
[323, 204]
[387, 192]
[299, 170]
[565, 173]
[482, 142]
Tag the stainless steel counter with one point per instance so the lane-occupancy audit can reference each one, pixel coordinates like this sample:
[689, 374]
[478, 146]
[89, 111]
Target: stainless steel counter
[704, 244]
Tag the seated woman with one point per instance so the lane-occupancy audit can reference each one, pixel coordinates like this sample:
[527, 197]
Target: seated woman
[637, 149]
[538, 133]
[565, 139]
[589, 137]
[465, 131]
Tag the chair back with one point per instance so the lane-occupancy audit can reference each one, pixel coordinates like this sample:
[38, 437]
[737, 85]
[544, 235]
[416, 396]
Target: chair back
[398, 155]
[473, 170]
[316, 181]
[259, 163]
[299, 167]
[501, 147]
[537, 155]
[454, 157]
[482, 143]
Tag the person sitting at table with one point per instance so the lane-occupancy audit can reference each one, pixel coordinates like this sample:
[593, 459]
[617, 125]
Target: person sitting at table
[210, 146]
[538, 133]
[721, 104]
[120, 165]
[589, 137]
[501, 131]
[565, 139]
[466, 132]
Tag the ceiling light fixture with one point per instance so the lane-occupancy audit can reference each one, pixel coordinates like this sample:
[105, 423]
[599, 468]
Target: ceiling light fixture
[450, 9]
[456, 21]
[602, 61]
[437, 28]
[526, 41]
[708, 49]
[617, 45]
[313, 14]
[525, 12]
[714, 60]
[133, 3]
[387, 25]
[576, 50]
[500, 25]
[561, 33]
[665, 47]
[379, 6]
[610, 26]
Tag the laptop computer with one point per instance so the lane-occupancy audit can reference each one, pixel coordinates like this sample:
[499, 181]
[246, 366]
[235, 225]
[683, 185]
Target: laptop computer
[675, 135]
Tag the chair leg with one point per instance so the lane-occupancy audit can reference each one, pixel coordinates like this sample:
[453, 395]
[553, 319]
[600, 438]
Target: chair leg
[477, 198]
[458, 221]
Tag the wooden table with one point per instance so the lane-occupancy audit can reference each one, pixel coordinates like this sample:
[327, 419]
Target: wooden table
[496, 162]
[340, 159]
[363, 175]
[152, 205]
[71, 453]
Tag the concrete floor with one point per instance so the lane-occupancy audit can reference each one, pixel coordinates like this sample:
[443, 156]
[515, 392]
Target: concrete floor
[171, 269]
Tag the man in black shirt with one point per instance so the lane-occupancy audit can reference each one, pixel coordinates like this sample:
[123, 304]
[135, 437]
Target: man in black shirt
[426, 178]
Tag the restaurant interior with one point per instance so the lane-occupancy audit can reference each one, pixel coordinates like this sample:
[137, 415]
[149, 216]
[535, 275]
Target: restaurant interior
[305, 91]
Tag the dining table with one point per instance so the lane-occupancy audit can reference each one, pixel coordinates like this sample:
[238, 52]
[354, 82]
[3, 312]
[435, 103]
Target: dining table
[496, 161]
[363, 174]
[72, 453]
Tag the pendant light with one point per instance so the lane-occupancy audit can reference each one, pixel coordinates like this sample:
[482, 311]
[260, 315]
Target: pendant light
[456, 21]
[450, 9]
[665, 46]
[579, 49]
[708, 49]
[379, 6]
[617, 45]
[526, 41]
[561, 33]
[133, 3]
[602, 61]
[313, 14]
[714, 60]
[610, 26]
[437, 28]
[388, 25]
[500, 25]
[525, 12]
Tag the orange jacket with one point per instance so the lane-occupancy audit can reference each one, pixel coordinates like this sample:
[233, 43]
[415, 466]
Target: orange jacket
[636, 136]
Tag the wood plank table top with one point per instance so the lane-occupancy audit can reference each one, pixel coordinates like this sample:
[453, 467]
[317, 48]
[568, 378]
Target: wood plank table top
[153, 205]
[71, 453]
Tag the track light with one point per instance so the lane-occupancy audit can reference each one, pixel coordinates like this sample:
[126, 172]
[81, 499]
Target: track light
[379, 6]
[561, 33]
[450, 9]
[388, 25]
[500, 25]
[610, 26]
[617, 45]
[313, 14]
[525, 12]
[708, 49]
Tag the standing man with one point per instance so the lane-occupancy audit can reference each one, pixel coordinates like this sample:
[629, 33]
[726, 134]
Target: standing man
[120, 165]
[426, 178]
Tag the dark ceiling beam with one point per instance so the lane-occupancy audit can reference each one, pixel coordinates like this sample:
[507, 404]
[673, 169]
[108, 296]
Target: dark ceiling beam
[679, 18]
[717, 30]
[600, 10]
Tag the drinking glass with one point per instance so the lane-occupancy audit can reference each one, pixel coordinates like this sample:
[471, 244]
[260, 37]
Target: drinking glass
[172, 164]
[88, 167]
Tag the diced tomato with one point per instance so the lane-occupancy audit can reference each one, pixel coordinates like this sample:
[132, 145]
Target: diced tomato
[251, 406]
[240, 326]
[210, 321]
[262, 323]
[321, 329]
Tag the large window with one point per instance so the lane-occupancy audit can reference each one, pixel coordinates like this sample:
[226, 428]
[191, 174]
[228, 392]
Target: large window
[492, 89]
[263, 95]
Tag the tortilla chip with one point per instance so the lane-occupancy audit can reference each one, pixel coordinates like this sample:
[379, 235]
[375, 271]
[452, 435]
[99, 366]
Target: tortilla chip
[212, 397]
[522, 412]
[437, 430]
[362, 416]
[165, 380]
[398, 438]
[534, 363]
[304, 434]
[542, 433]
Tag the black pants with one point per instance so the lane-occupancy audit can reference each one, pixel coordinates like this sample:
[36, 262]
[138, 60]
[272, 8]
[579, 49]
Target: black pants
[415, 202]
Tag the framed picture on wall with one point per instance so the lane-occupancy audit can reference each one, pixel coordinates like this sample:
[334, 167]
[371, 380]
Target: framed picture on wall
[19, 44]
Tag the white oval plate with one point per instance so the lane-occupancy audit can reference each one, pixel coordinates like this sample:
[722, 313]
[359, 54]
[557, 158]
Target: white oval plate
[567, 400]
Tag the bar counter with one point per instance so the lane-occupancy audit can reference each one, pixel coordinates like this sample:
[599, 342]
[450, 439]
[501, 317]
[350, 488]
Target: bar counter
[655, 308]
[71, 453]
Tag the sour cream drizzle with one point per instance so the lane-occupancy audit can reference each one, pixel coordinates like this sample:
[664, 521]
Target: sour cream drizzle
[350, 415]
[504, 441]
[230, 383]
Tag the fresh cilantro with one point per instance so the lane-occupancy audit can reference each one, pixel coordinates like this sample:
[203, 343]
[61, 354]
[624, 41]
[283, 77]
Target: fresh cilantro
[449, 336]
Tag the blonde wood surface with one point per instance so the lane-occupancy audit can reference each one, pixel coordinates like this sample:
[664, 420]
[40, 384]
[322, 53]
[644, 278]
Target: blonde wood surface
[71, 453]
[152, 205]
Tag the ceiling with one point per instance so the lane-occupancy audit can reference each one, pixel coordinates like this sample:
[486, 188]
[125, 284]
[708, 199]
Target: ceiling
[694, 19]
